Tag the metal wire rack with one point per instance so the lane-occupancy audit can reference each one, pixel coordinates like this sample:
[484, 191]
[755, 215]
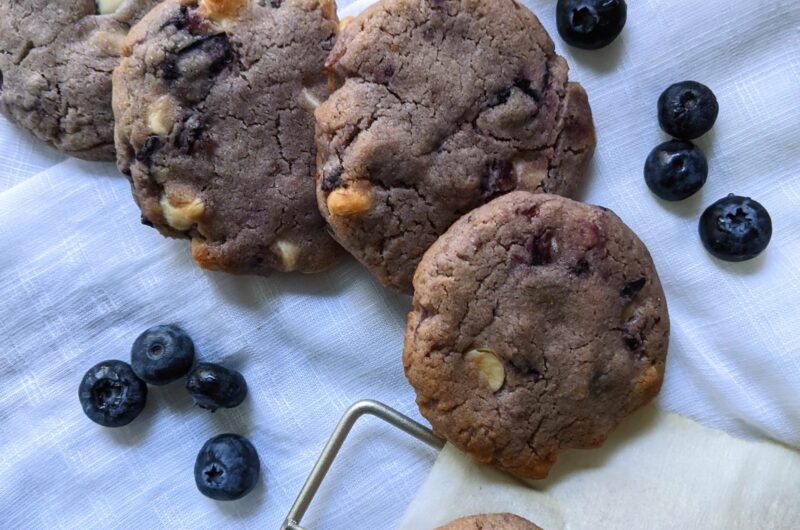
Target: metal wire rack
[335, 442]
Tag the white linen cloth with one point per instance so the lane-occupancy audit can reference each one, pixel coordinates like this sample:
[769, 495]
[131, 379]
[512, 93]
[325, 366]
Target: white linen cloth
[81, 278]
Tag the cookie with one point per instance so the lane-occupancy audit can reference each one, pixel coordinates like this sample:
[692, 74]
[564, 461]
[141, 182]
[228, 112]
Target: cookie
[443, 105]
[214, 107]
[56, 60]
[494, 521]
[538, 324]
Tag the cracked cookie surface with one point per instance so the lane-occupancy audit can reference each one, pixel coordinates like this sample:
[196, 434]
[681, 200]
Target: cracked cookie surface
[214, 104]
[490, 521]
[56, 59]
[563, 305]
[443, 105]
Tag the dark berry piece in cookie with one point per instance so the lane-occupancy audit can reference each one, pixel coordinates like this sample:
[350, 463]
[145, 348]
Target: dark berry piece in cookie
[590, 24]
[522, 85]
[192, 71]
[227, 467]
[332, 179]
[736, 228]
[206, 56]
[499, 179]
[151, 145]
[213, 386]
[111, 394]
[676, 170]
[190, 133]
[162, 354]
[687, 110]
[190, 20]
[581, 268]
[540, 248]
[632, 288]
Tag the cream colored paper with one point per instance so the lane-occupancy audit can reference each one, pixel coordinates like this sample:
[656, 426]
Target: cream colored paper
[658, 471]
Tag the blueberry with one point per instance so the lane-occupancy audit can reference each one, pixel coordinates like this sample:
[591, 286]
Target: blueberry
[227, 467]
[687, 110]
[162, 354]
[676, 170]
[590, 24]
[735, 228]
[111, 394]
[213, 386]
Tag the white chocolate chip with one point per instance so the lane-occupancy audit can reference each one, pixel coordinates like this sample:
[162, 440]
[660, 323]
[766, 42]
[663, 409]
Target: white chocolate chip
[488, 366]
[106, 7]
[221, 10]
[287, 252]
[156, 123]
[183, 215]
[161, 115]
[346, 202]
[309, 101]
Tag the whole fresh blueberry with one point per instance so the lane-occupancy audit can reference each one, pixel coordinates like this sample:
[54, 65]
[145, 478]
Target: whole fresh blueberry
[687, 110]
[590, 24]
[735, 228]
[213, 386]
[162, 354]
[676, 170]
[227, 467]
[111, 394]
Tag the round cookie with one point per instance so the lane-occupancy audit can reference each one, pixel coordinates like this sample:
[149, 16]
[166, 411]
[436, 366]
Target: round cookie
[214, 107]
[56, 59]
[444, 105]
[538, 325]
[490, 521]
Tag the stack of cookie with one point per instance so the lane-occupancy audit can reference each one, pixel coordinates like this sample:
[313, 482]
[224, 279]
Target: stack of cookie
[444, 157]
[437, 141]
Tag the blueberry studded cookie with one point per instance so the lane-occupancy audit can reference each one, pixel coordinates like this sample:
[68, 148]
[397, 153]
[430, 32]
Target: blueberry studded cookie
[490, 521]
[56, 59]
[538, 324]
[214, 103]
[443, 105]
